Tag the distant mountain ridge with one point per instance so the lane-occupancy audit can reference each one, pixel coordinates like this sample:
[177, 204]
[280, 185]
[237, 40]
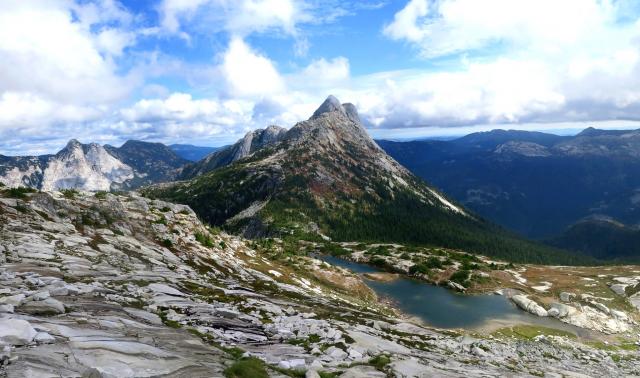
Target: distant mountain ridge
[326, 177]
[191, 152]
[93, 167]
[536, 184]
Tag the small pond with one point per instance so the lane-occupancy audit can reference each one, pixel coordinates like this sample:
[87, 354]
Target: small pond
[443, 308]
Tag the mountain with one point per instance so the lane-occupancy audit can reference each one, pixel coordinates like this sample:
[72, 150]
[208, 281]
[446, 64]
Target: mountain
[93, 167]
[252, 142]
[533, 183]
[191, 152]
[328, 177]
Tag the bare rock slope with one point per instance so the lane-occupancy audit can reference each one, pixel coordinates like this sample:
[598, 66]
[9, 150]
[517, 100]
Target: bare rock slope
[124, 286]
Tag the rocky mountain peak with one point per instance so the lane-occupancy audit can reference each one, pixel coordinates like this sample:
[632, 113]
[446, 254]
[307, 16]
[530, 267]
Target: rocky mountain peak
[331, 104]
[73, 144]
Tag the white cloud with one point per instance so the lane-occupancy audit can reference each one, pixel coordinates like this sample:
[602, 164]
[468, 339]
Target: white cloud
[452, 26]
[239, 17]
[322, 73]
[405, 22]
[523, 60]
[180, 117]
[248, 73]
[56, 65]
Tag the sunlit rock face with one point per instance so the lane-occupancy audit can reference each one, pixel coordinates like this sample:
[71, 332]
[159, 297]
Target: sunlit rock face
[93, 167]
[88, 167]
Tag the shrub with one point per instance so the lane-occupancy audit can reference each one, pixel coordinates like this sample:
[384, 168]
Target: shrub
[380, 361]
[167, 243]
[461, 277]
[203, 239]
[69, 193]
[19, 192]
[101, 194]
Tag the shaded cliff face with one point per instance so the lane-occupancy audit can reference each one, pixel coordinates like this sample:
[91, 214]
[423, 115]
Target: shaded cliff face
[328, 177]
[93, 167]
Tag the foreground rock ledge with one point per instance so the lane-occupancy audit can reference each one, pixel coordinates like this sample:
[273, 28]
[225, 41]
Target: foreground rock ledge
[123, 286]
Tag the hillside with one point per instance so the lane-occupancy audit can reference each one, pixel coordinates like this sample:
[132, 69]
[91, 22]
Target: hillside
[328, 177]
[601, 238]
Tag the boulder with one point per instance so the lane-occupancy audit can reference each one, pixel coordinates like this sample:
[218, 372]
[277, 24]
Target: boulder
[16, 332]
[559, 310]
[528, 305]
[44, 338]
[311, 374]
[567, 297]
[39, 296]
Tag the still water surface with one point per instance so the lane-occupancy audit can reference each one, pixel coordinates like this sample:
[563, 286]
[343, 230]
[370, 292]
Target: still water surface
[444, 308]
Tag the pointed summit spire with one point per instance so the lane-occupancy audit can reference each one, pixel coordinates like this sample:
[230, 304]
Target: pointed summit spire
[331, 104]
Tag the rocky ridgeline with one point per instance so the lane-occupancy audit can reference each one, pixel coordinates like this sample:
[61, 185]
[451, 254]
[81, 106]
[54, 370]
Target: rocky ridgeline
[103, 285]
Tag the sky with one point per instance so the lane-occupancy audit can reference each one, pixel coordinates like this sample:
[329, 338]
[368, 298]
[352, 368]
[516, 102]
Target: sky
[206, 72]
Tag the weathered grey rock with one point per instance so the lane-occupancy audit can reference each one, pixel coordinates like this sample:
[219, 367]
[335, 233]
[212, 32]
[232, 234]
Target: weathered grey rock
[6, 308]
[15, 300]
[311, 374]
[528, 305]
[39, 296]
[44, 338]
[567, 297]
[49, 306]
[165, 289]
[16, 332]
[144, 315]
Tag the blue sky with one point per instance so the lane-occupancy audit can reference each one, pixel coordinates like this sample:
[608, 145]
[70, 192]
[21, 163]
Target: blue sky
[207, 71]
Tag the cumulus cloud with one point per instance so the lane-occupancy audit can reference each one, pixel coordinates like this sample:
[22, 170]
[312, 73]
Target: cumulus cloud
[240, 17]
[56, 65]
[521, 61]
[247, 73]
[74, 68]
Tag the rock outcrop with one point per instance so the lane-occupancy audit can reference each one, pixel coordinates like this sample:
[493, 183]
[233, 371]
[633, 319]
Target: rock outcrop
[528, 305]
[252, 142]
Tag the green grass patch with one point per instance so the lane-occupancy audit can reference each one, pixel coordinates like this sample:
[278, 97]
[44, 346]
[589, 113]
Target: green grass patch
[530, 331]
[247, 368]
[380, 362]
[203, 239]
